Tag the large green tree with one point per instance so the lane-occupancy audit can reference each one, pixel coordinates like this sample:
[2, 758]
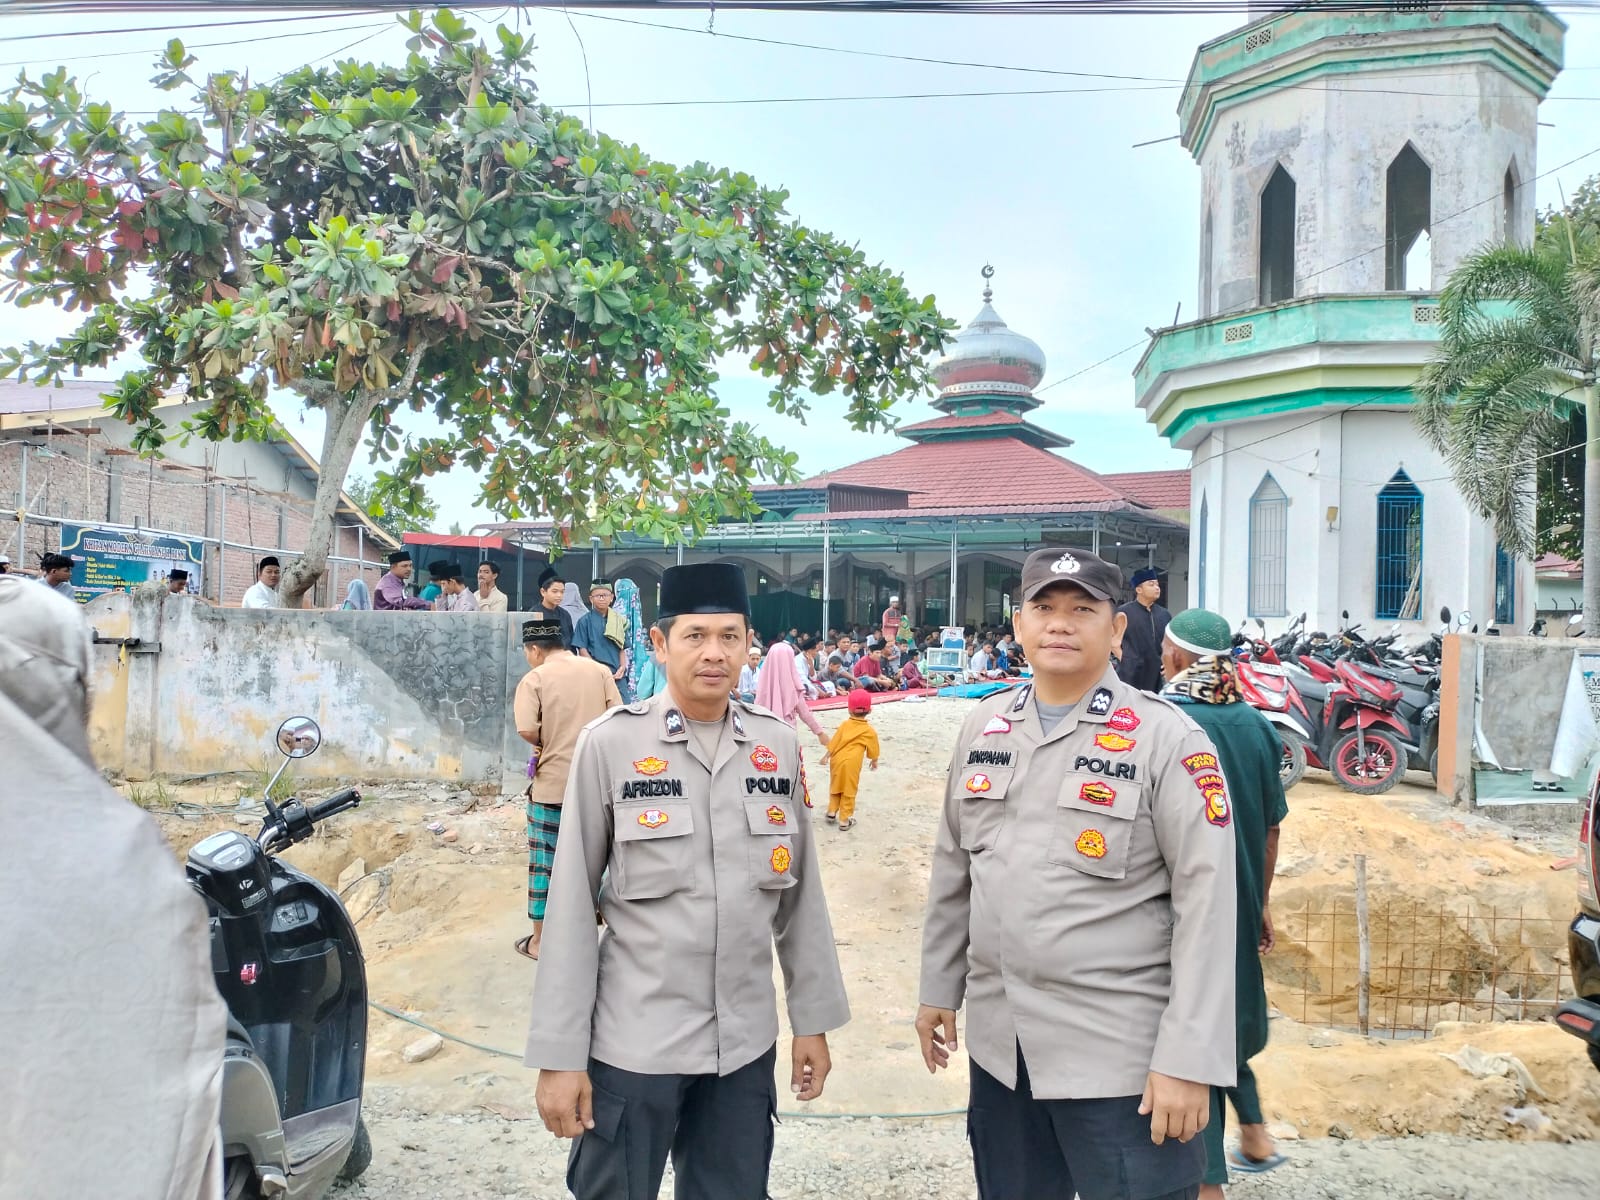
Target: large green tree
[1518, 354]
[429, 237]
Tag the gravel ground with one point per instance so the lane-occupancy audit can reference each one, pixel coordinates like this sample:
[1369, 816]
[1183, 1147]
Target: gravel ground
[420, 1156]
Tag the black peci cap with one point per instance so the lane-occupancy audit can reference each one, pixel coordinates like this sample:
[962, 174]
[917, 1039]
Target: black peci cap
[541, 631]
[704, 588]
[548, 576]
[398, 557]
[1052, 565]
[177, 573]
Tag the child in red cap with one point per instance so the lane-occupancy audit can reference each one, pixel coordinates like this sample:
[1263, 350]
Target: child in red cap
[852, 741]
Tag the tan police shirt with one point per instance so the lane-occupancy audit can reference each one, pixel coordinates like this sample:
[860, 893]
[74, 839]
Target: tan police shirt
[554, 701]
[1082, 896]
[707, 864]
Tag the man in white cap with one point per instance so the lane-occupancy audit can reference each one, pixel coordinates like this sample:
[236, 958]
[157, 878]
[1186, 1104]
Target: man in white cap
[891, 621]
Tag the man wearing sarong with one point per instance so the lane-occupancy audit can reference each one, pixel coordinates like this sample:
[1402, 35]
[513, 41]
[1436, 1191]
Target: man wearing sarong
[555, 700]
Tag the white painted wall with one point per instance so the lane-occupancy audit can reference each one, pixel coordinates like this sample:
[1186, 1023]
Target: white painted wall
[1342, 461]
[1338, 144]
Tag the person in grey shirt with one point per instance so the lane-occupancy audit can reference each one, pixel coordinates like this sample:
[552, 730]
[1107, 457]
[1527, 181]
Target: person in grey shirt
[57, 570]
[660, 1036]
[1081, 905]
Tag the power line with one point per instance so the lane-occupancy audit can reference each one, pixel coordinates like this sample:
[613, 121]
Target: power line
[942, 7]
[271, 37]
[15, 8]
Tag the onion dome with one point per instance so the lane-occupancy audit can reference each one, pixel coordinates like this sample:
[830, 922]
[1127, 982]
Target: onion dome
[989, 360]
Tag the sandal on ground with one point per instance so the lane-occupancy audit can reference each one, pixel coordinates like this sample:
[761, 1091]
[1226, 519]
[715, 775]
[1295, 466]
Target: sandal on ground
[523, 947]
[844, 825]
[1245, 1165]
[831, 817]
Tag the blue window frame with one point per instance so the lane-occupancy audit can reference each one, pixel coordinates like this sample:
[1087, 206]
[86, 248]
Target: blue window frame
[1399, 580]
[1200, 589]
[1269, 550]
[1505, 586]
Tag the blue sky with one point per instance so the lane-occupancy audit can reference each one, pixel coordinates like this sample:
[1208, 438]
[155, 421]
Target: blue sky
[1092, 240]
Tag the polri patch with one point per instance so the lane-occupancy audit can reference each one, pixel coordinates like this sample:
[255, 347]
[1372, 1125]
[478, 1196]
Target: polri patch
[1098, 793]
[1100, 702]
[1119, 770]
[978, 783]
[1091, 843]
[763, 759]
[650, 766]
[990, 758]
[1203, 761]
[1124, 720]
[1114, 742]
[781, 858]
[997, 725]
[776, 816]
[769, 784]
[653, 818]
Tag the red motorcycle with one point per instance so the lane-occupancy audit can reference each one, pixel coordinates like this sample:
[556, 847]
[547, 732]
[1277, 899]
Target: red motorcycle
[1265, 684]
[1366, 742]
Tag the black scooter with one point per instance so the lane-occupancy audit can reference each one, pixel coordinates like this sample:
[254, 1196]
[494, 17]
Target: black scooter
[288, 964]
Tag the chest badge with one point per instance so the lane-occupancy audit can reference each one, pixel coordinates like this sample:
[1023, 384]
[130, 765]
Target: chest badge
[1114, 742]
[1124, 720]
[781, 858]
[997, 725]
[776, 816]
[650, 766]
[1098, 793]
[1091, 843]
[653, 818]
[763, 759]
[978, 783]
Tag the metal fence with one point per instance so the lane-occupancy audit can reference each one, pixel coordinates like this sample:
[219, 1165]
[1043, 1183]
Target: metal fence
[1400, 968]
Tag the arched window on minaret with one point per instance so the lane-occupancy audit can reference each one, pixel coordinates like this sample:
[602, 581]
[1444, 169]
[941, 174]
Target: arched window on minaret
[1508, 205]
[1409, 202]
[1276, 257]
[1269, 550]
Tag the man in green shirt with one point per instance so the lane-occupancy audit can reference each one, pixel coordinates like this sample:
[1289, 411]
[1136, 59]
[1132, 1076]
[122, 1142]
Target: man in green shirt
[1197, 662]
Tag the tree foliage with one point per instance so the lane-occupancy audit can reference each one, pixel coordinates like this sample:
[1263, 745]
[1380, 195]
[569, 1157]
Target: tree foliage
[1517, 358]
[388, 513]
[429, 237]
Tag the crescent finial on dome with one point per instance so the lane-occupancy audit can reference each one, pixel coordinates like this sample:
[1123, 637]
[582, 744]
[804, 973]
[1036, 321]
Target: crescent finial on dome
[988, 274]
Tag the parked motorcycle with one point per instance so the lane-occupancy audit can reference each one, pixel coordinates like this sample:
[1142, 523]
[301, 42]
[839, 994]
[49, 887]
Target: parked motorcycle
[289, 966]
[1265, 685]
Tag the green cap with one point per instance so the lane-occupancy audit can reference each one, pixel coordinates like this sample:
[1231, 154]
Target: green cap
[1200, 631]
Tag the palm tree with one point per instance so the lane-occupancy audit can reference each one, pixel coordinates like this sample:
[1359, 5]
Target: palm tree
[1517, 354]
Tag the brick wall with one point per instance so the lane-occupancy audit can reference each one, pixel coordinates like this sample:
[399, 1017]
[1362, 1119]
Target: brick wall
[82, 479]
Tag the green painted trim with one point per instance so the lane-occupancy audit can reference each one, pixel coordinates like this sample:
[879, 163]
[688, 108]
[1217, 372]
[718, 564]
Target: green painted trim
[1277, 405]
[1183, 403]
[1534, 26]
[1217, 105]
[1343, 319]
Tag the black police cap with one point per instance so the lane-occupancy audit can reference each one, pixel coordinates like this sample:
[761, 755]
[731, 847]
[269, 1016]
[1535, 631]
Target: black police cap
[704, 588]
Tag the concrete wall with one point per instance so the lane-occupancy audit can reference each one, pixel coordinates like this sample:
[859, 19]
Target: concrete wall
[1524, 682]
[1342, 461]
[398, 695]
[1469, 123]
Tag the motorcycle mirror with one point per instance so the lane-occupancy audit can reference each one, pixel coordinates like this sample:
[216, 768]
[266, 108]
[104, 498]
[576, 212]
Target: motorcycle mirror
[1302, 618]
[1444, 615]
[1261, 625]
[1345, 614]
[1464, 619]
[299, 737]
[1575, 619]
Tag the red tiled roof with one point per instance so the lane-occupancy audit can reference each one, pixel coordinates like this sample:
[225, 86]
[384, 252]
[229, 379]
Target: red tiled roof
[1158, 489]
[998, 474]
[1554, 564]
[970, 421]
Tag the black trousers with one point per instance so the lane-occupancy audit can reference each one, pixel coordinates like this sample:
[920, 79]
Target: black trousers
[1028, 1149]
[717, 1129]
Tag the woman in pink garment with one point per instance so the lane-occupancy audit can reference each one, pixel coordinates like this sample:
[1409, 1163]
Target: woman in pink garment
[778, 688]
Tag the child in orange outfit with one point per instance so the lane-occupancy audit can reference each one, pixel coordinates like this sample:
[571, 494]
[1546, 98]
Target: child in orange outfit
[852, 741]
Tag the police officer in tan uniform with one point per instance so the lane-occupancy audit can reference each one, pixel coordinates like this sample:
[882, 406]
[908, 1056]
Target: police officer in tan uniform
[1082, 905]
[661, 1037]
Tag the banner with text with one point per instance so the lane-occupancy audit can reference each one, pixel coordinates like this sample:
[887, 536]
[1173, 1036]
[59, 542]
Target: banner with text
[117, 560]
